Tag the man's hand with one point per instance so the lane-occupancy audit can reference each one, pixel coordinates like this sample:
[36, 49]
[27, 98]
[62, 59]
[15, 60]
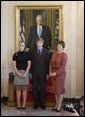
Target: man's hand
[47, 76]
[76, 113]
[30, 76]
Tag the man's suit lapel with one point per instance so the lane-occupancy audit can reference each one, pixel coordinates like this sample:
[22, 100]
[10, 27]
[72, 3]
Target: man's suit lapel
[42, 53]
[42, 30]
[36, 30]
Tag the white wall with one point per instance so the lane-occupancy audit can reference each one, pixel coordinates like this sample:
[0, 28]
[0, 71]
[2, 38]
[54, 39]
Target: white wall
[73, 21]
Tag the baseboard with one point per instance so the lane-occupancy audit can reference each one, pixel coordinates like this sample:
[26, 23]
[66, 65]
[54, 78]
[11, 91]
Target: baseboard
[5, 99]
[71, 100]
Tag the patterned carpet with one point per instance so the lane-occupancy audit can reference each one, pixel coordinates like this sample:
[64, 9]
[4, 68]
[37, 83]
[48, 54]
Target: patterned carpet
[12, 111]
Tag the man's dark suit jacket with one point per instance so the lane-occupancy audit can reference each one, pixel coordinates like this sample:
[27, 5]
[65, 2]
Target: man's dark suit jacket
[46, 35]
[40, 63]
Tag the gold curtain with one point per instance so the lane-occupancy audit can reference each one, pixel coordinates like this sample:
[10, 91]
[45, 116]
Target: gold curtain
[28, 23]
[50, 23]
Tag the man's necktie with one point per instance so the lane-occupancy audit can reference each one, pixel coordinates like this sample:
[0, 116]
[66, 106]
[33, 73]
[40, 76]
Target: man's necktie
[39, 52]
[40, 31]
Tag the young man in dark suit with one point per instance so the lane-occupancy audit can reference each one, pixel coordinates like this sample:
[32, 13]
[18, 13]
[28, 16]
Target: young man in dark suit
[40, 71]
[37, 31]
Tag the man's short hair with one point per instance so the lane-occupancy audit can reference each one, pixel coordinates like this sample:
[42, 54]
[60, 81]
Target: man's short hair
[39, 15]
[40, 39]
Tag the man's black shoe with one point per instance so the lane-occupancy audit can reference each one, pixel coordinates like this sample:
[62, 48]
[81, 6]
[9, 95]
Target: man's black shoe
[43, 107]
[35, 107]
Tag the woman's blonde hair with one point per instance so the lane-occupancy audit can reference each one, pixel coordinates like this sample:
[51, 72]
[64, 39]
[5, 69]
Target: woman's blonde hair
[21, 42]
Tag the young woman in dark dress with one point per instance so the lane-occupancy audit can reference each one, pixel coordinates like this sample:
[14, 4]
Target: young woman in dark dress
[21, 64]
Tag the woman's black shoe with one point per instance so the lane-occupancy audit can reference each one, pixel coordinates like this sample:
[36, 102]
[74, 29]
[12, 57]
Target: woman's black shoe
[23, 107]
[43, 107]
[18, 107]
[58, 110]
[35, 107]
